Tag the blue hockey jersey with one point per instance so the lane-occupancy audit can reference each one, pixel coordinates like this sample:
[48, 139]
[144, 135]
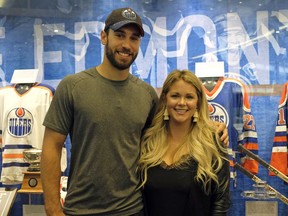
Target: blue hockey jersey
[229, 103]
[279, 156]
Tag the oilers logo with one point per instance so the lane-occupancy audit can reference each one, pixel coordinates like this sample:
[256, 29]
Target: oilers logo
[218, 113]
[20, 122]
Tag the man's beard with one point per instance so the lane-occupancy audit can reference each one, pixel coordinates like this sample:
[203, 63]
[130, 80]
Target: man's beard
[111, 57]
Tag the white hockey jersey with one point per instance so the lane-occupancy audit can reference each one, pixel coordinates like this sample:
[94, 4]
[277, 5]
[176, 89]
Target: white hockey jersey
[21, 118]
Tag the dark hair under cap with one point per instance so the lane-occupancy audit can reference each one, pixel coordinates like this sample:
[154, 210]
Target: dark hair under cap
[121, 17]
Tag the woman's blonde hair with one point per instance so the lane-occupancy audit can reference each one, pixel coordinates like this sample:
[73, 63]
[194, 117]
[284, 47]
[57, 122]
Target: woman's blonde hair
[200, 141]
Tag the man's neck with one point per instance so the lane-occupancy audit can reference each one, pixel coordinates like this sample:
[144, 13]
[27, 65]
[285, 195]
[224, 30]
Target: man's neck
[112, 73]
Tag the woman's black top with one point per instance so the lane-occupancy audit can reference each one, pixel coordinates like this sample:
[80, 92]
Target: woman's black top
[173, 191]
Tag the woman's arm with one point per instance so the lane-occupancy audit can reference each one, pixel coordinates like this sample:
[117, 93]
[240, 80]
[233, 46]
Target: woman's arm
[221, 195]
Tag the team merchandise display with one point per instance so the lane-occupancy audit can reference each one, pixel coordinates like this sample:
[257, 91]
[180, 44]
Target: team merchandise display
[229, 102]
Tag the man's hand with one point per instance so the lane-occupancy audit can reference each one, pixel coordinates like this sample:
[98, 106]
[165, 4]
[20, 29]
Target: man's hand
[223, 132]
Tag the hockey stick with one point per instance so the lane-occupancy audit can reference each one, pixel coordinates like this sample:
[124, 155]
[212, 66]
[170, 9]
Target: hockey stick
[263, 163]
[258, 180]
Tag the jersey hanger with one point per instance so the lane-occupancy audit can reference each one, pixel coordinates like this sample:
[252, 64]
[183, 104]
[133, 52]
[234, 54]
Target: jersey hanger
[21, 88]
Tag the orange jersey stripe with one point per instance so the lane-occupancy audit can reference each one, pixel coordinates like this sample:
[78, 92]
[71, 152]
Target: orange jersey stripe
[251, 165]
[251, 146]
[279, 161]
[280, 139]
[7, 156]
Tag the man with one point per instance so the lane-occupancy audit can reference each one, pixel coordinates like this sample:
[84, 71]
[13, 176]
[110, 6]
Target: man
[104, 110]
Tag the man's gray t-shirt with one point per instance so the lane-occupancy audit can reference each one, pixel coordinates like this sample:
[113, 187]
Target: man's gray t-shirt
[105, 120]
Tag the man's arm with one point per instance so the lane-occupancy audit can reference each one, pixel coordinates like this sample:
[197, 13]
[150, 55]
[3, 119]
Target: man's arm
[51, 171]
[223, 132]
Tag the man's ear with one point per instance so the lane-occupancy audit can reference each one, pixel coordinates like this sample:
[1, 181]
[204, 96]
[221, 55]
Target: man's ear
[104, 37]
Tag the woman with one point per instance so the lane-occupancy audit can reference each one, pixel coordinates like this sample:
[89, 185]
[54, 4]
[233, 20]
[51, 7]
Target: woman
[183, 165]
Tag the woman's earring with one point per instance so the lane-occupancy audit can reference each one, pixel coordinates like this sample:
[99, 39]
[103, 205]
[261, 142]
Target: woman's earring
[166, 115]
[195, 116]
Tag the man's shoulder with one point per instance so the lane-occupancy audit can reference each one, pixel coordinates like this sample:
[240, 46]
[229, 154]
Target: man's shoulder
[147, 87]
[82, 75]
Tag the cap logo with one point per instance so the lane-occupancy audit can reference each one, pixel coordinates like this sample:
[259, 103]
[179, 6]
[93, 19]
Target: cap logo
[129, 14]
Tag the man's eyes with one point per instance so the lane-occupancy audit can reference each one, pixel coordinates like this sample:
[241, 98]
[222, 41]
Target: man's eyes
[119, 35]
[123, 36]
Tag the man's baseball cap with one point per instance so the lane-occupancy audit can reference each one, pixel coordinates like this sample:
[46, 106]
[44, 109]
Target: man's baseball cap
[121, 17]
